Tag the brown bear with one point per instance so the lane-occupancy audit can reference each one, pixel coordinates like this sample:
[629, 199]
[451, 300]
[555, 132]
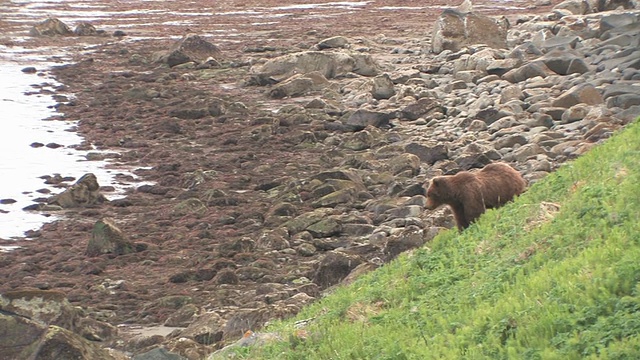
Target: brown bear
[469, 194]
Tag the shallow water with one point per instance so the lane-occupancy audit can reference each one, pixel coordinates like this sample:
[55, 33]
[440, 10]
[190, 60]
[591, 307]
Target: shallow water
[22, 165]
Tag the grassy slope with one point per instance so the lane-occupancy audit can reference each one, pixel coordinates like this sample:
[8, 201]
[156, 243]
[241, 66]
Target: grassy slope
[552, 276]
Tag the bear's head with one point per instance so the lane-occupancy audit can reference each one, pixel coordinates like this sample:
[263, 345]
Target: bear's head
[436, 192]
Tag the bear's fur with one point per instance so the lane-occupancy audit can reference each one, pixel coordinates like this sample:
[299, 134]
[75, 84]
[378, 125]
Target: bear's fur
[469, 194]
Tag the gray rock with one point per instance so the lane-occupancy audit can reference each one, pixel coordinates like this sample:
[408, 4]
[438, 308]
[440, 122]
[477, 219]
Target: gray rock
[382, 87]
[454, 30]
[299, 85]
[525, 152]
[562, 43]
[358, 141]
[502, 66]
[582, 93]
[85, 29]
[575, 7]
[326, 227]
[405, 163]
[421, 108]
[612, 21]
[50, 27]
[206, 329]
[477, 125]
[329, 64]
[334, 267]
[625, 101]
[565, 63]
[528, 71]
[85, 192]
[363, 118]
[107, 238]
[410, 238]
[574, 113]
[191, 48]
[428, 154]
[333, 43]
[511, 92]
[510, 141]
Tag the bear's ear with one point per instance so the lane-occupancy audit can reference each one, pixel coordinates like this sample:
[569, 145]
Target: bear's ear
[436, 181]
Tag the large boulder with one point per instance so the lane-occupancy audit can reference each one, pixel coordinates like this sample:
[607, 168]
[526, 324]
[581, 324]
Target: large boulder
[39, 324]
[454, 30]
[329, 64]
[299, 85]
[334, 267]
[575, 7]
[107, 238]
[50, 27]
[85, 192]
[46, 307]
[191, 48]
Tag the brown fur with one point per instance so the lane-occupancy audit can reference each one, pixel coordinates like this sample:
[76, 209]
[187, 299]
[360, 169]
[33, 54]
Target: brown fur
[469, 194]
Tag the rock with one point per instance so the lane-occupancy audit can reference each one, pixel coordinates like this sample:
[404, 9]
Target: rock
[405, 162]
[325, 228]
[528, 71]
[20, 335]
[197, 207]
[305, 220]
[510, 141]
[624, 101]
[382, 87]
[574, 113]
[333, 43]
[226, 276]
[191, 48]
[41, 324]
[345, 196]
[565, 63]
[409, 238]
[50, 27]
[206, 329]
[85, 192]
[299, 85]
[454, 30]
[428, 154]
[502, 66]
[107, 238]
[158, 354]
[334, 267]
[60, 343]
[85, 29]
[559, 43]
[250, 338]
[362, 118]
[526, 151]
[421, 108]
[360, 140]
[582, 93]
[575, 7]
[329, 64]
[44, 306]
[612, 21]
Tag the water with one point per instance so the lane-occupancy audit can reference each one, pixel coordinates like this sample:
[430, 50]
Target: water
[23, 123]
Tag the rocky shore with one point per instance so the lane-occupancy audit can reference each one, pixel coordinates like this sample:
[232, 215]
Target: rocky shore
[281, 171]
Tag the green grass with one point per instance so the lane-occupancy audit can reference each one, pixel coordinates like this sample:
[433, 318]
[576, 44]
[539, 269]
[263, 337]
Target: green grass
[553, 275]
